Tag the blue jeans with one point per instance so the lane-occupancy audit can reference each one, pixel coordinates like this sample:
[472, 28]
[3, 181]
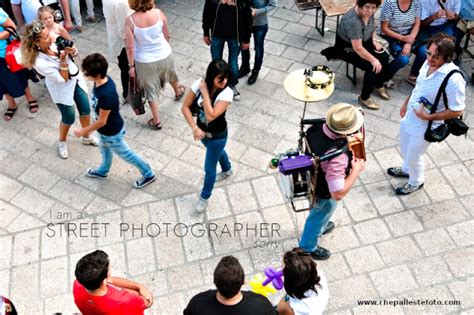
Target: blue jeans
[316, 223]
[214, 153]
[217, 48]
[116, 144]
[259, 33]
[82, 103]
[400, 61]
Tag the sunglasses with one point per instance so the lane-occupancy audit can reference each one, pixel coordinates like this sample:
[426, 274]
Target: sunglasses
[37, 28]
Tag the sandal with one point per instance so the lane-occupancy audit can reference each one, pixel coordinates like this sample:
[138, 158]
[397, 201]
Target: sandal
[411, 79]
[33, 106]
[9, 113]
[182, 89]
[154, 126]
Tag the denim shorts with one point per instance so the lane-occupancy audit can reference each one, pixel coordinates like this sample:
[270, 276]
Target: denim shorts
[82, 103]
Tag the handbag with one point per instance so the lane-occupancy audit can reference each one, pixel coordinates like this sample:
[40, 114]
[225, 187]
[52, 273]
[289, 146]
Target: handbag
[136, 96]
[58, 12]
[455, 126]
[194, 106]
[13, 52]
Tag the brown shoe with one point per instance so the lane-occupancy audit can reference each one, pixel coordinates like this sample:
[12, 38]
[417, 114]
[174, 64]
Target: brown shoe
[411, 79]
[382, 93]
[91, 19]
[369, 103]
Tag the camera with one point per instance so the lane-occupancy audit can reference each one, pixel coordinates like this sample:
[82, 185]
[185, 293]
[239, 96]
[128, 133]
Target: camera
[62, 43]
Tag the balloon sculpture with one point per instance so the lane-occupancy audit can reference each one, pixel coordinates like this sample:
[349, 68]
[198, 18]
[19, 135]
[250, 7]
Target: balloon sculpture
[260, 285]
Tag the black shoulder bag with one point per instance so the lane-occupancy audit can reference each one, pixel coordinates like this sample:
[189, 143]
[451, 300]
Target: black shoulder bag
[455, 126]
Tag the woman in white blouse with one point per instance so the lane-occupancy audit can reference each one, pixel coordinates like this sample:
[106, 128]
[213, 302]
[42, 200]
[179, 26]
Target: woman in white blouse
[65, 83]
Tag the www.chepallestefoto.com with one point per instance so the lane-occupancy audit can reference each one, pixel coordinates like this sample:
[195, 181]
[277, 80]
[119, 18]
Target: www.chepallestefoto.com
[407, 302]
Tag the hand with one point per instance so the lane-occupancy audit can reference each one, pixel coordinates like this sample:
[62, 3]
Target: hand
[68, 25]
[79, 132]
[403, 111]
[439, 14]
[70, 50]
[131, 72]
[245, 46]
[254, 12]
[377, 45]
[62, 56]
[198, 134]
[406, 49]
[409, 38]
[358, 165]
[450, 15]
[146, 294]
[421, 113]
[207, 40]
[376, 65]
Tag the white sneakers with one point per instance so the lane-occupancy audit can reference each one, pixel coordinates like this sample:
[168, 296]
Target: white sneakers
[62, 145]
[200, 205]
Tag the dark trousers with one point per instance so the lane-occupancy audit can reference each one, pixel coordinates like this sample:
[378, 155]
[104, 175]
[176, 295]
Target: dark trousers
[259, 33]
[371, 79]
[123, 66]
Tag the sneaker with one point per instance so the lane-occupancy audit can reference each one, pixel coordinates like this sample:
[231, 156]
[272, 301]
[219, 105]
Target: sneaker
[243, 72]
[369, 103]
[142, 182]
[407, 189]
[92, 172]
[236, 93]
[91, 140]
[329, 227]
[397, 172]
[382, 93]
[62, 149]
[201, 205]
[223, 175]
[411, 79]
[321, 253]
[253, 77]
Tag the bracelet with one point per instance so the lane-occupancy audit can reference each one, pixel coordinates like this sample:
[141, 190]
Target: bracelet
[64, 69]
[195, 127]
[131, 66]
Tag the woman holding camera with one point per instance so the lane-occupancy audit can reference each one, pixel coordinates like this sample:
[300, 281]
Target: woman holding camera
[65, 83]
[211, 98]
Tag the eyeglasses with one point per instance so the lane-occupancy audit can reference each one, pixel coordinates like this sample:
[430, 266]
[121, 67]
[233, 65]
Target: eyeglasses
[431, 54]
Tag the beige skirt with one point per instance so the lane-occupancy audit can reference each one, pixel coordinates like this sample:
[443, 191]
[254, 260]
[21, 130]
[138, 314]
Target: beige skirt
[154, 75]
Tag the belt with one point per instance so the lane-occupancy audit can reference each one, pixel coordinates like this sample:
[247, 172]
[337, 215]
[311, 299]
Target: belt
[216, 135]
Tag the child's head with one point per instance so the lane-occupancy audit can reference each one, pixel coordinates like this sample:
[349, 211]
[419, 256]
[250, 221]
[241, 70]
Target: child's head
[300, 273]
[46, 15]
[95, 66]
[229, 276]
[92, 269]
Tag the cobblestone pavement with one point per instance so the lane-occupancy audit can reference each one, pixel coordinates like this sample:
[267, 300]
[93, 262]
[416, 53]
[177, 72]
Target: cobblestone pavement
[384, 247]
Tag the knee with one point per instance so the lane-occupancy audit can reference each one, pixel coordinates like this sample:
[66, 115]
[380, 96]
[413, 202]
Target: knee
[403, 60]
[68, 118]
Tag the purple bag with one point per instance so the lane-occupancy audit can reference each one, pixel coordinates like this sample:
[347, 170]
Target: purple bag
[295, 164]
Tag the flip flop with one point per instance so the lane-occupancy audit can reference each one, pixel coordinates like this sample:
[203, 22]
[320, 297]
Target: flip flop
[9, 113]
[33, 105]
[154, 126]
[180, 95]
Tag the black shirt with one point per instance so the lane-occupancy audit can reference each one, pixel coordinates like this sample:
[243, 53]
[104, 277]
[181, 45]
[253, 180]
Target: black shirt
[226, 22]
[206, 303]
[106, 97]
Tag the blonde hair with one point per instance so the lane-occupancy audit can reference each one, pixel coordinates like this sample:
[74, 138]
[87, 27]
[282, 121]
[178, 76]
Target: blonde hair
[45, 8]
[141, 5]
[29, 49]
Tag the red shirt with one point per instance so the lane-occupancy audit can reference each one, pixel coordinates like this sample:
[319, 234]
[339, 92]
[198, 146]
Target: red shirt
[116, 301]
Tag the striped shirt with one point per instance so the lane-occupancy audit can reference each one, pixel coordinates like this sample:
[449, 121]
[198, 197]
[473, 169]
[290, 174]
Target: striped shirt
[399, 21]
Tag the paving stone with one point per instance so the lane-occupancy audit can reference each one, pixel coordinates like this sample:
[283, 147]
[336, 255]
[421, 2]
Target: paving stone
[21, 293]
[437, 187]
[399, 250]
[442, 154]
[281, 219]
[223, 239]
[53, 269]
[26, 247]
[154, 281]
[335, 268]
[462, 233]
[363, 259]
[39, 178]
[462, 291]
[140, 256]
[431, 271]
[99, 204]
[173, 303]
[8, 213]
[61, 303]
[458, 176]
[24, 222]
[436, 215]
[71, 194]
[393, 280]
[430, 294]
[383, 197]
[33, 202]
[51, 244]
[183, 277]
[340, 239]
[434, 241]
[6, 243]
[404, 223]
[468, 202]
[346, 291]
[81, 244]
[116, 253]
[241, 197]
[372, 231]
[459, 262]
[267, 191]
[251, 232]
[184, 173]
[359, 205]
[9, 187]
[110, 228]
[5, 282]
[263, 257]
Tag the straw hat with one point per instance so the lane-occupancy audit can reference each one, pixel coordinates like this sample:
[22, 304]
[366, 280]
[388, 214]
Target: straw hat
[344, 118]
[296, 84]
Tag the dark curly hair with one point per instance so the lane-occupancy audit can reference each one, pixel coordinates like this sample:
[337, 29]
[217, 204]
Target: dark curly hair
[445, 45]
[300, 273]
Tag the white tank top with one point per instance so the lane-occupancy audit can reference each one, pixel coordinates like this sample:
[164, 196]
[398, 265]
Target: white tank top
[150, 42]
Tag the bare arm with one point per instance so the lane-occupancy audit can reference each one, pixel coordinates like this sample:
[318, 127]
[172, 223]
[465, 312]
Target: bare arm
[5, 34]
[166, 32]
[132, 285]
[18, 16]
[211, 112]
[392, 34]
[99, 123]
[198, 134]
[130, 42]
[67, 14]
[284, 308]
[358, 166]
[64, 33]
[364, 54]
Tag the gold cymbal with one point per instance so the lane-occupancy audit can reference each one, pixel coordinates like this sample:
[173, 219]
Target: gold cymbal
[295, 84]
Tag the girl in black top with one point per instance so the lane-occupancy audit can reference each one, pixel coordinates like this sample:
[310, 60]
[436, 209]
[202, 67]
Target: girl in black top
[211, 97]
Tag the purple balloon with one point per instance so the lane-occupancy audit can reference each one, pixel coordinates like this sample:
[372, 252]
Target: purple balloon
[275, 277]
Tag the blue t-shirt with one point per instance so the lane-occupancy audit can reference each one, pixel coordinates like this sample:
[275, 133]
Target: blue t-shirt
[106, 97]
[3, 42]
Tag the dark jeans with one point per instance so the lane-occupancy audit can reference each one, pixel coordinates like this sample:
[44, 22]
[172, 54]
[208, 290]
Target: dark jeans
[217, 48]
[259, 33]
[400, 61]
[371, 79]
[123, 66]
